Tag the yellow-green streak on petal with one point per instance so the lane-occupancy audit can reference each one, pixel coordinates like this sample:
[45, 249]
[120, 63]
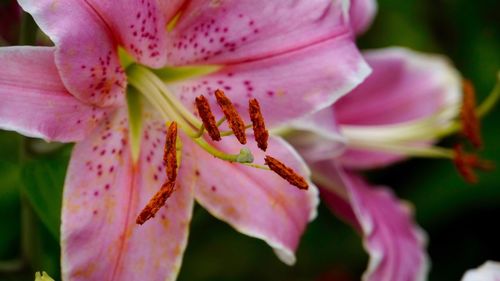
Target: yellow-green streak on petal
[173, 74]
[173, 22]
[43, 277]
[125, 58]
[135, 121]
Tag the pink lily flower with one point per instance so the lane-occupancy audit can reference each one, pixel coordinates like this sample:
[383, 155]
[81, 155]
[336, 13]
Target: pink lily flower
[119, 71]
[489, 271]
[408, 102]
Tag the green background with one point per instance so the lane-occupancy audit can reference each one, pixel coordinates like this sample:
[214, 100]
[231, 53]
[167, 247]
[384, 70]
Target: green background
[461, 220]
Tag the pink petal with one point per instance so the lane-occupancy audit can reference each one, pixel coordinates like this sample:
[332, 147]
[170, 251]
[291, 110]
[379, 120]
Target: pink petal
[86, 54]
[489, 271]
[34, 100]
[139, 27]
[318, 136]
[361, 14]
[395, 244]
[287, 86]
[405, 86]
[171, 7]
[255, 202]
[234, 31]
[104, 193]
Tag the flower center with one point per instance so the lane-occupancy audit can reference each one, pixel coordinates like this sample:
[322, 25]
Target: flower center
[151, 85]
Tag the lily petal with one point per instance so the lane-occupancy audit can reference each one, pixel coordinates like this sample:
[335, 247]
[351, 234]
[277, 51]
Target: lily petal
[287, 86]
[35, 102]
[222, 32]
[318, 136]
[395, 244]
[361, 14]
[405, 86]
[255, 202]
[86, 54]
[489, 271]
[104, 193]
[139, 27]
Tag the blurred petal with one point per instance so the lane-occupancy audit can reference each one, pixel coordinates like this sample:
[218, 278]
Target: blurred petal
[361, 14]
[86, 54]
[395, 243]
[222, 32]
[317, 136]
[256, 202]
[104, 193]
[405, 86]
[289, 85]
[489, 271]
[35, 102]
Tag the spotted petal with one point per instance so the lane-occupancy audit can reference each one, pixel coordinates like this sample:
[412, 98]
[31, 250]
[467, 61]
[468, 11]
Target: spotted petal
[289, 85]
[139, 27]
[489, 271]
[228, 32]
[394, 242]
[255, 202]
[405, 87]
[34, 100]
[104, 193]
[86, 54]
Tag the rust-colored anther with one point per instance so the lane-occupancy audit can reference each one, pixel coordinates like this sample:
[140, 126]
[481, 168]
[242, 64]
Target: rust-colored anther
[170, 154]
[156, 203]
[233, 118]
[208, 118]
[470, 124]
[285, 172]
[466, 164]
[259, 127]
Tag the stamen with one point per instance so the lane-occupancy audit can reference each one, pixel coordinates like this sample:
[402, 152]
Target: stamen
[233, 118]
[259, 127]
[207, 118]
[170, 154]
[467, 163]
[470, 122]
[156, 202]
[286, 173]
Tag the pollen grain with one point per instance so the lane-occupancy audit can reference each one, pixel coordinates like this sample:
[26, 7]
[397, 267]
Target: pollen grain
[259, 127]
[286, 173]
[207, 117]
[233, 118]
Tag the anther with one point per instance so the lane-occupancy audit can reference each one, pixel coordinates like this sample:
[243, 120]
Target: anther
[170, 154]
[467, 163]
[233, 118]
[259, 127]
[286, 173]
[156, 203]
[470, 122]
[207, 118]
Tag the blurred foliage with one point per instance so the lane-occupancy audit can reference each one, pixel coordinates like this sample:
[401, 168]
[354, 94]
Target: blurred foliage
[460, 219]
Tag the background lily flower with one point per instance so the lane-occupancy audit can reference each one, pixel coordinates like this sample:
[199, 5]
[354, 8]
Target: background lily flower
[408, 102]
[406, 89]
[489, 271]
[115, 106]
